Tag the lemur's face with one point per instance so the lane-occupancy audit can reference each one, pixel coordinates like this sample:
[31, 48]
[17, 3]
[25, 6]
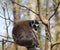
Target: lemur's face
[35, 24]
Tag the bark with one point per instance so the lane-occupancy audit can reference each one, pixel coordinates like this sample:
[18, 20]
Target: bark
[16, 11]
[41, 17]
[32, 7]
[47, 29]
[47, 25]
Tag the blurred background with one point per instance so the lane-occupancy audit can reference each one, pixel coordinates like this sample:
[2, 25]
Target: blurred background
[10, 12]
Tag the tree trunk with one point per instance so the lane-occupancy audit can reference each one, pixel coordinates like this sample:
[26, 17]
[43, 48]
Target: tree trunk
[47, 29]
[32, 7]
[46, 23]
[16, 11]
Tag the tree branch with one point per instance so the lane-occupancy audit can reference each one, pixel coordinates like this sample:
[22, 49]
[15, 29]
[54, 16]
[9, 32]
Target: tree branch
[42, 18]
[5, 37]
[55, 11]
[5, 22]
[57, 43]
[24, 7]
[7, 41]
[7, 12]
[6, 19]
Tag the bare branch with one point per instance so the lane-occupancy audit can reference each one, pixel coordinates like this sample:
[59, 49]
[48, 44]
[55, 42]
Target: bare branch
[7, 41]
[55, 11]
[2, 44]
[57, 43]
[6, 19]
[7, 12]
[42, 18]
[25, 7]
[5, 22]
[6, 37]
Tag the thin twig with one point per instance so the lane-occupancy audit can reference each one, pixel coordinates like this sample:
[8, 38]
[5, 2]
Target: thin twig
[7, 41]
[5, 37]
[55, 11]
[6, 19]
[5, 22]
[7, 12]
[25, 7]
[2, 44]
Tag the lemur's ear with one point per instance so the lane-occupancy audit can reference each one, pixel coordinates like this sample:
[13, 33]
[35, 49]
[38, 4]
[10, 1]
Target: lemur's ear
[37, 22]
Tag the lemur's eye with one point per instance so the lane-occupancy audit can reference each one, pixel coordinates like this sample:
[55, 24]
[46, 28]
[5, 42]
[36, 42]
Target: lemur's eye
[34, 26]
[32, 22]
